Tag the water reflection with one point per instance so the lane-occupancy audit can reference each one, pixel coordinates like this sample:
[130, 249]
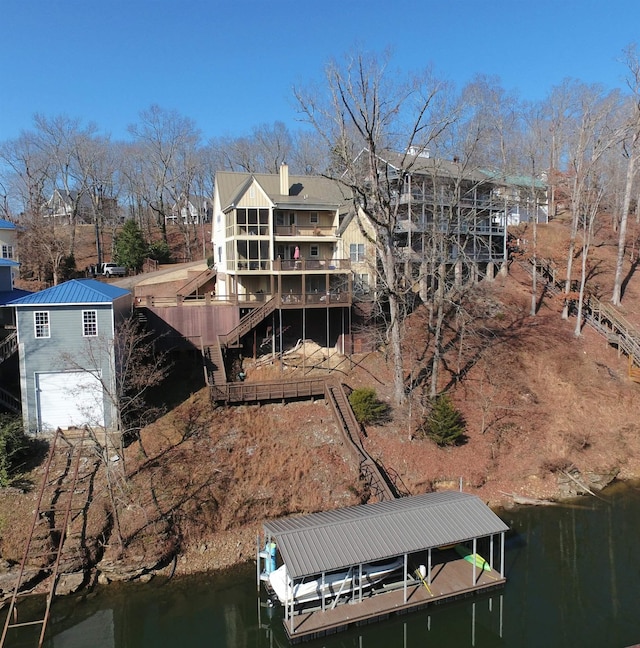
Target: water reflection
[572, 573]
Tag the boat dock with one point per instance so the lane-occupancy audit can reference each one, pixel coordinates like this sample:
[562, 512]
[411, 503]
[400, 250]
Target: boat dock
[449, 581]
[445, 546]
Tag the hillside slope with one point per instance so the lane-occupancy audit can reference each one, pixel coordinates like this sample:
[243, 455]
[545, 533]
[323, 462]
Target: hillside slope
[540, 405]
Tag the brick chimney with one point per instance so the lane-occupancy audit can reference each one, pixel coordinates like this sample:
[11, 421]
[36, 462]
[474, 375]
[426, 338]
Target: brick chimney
[284, 179]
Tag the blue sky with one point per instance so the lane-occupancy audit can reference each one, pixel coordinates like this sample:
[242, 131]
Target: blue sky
[230, 65]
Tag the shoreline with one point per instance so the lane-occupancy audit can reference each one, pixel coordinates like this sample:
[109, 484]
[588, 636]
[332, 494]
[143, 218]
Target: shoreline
[224, 551]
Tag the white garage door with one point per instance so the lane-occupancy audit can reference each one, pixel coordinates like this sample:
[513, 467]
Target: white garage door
[69, 399]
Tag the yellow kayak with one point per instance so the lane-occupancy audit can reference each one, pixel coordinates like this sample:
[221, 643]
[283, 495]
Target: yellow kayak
[479, 561]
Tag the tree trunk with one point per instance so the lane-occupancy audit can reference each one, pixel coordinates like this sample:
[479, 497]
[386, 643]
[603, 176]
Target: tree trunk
[624, 216]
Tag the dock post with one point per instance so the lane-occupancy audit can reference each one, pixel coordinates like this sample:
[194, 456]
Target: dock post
[258, 561]
[405, 577]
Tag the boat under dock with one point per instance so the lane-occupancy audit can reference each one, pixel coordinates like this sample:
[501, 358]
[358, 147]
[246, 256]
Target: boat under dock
[451, 578]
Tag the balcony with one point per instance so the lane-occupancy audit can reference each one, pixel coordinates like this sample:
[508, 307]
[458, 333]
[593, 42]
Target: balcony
[307, 230]
[289, 265]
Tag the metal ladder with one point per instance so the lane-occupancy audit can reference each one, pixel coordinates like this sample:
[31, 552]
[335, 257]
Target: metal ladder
[56, 516]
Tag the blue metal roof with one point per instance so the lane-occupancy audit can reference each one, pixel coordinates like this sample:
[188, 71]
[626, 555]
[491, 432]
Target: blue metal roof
[7, 296]
[5, 224]
[76, 291]
[9, 263]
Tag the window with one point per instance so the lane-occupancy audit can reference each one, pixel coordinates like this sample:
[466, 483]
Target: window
[356, 251]
[89, 323]
[313, 217]
[361, 284]
[7, 251]
[314, 251]
[41, 322]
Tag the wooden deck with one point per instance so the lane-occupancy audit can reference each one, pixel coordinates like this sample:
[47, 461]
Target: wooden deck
[451, 578]
[239, 392]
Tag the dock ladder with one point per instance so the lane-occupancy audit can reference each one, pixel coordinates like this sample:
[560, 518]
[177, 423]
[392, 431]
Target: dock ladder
[61, 499]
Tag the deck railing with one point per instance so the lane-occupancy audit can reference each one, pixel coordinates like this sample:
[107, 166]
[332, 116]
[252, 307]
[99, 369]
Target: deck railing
[252, 300]
[240, 392]
[8, 346]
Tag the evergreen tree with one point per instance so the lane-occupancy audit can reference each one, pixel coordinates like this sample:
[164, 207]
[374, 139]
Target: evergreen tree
[444, 423]
[130, 247]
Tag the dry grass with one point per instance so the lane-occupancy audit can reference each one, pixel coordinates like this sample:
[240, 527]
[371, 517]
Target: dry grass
[536, 401]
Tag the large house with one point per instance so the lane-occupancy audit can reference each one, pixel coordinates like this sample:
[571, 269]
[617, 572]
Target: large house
[67, 354]
[8, 338]
[276, 244]
[452, 215]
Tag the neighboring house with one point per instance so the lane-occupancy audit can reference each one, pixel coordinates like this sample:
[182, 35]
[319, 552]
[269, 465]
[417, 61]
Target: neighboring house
[81, 206]
[194, 210]
[361, 252]
[454, 216]
[67, 354]
[277, 235]
[9, 384]
[8, 251]
[525, 198]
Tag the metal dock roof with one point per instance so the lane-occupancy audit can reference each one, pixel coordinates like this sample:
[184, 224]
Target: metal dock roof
[331, 540]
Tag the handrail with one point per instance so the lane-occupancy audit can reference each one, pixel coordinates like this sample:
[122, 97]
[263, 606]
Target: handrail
[251, 319]
[8, 346]
[241, 392]
[602, 317]
[10, 401]
[196, 282]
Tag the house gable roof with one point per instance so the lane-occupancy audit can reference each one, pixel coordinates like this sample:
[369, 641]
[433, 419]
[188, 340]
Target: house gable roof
[5, 224]
[310, 192]
[76, 291]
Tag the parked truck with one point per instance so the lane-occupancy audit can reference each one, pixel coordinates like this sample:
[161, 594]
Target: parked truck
[108, 270]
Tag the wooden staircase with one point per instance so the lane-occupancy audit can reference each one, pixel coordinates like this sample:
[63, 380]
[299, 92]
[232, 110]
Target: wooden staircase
[10, 402]
[194, 283]
[602, 317]
[214, 354]
[215, 364]
[248, 322]
[352, 430]
[8, 346]
[61, 508]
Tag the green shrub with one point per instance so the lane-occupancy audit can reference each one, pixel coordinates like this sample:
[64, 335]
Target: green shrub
[14, 446]
[444, 424]
[367, 407]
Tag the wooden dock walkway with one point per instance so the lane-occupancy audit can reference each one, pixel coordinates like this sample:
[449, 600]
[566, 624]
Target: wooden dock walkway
[450, 579]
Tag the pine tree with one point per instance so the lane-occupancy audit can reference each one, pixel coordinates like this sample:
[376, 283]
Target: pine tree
[444, 423]
[130, 247]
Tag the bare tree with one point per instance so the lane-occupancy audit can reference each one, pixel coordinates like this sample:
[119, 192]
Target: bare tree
[136, 367]
[632, 151]
[372, 109]
[595, 129]
[164, 142]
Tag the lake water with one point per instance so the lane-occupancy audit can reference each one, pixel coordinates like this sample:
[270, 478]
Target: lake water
[573, 580]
